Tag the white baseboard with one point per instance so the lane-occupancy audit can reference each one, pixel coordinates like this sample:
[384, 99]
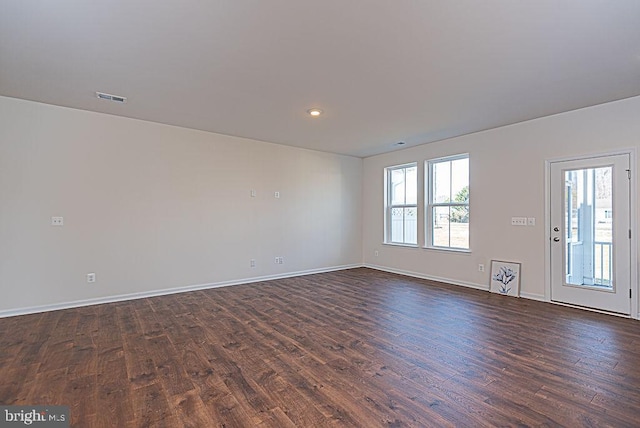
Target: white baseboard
[532, 296]
[428, 277]
[154, 293]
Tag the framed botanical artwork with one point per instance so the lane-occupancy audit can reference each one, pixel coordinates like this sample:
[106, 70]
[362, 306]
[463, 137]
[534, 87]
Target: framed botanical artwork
[505, 278]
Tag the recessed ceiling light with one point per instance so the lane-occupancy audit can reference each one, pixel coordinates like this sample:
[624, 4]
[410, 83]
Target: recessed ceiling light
[315, 112]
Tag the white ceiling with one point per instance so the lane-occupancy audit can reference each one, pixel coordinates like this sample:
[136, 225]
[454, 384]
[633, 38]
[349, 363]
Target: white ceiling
[383, 71]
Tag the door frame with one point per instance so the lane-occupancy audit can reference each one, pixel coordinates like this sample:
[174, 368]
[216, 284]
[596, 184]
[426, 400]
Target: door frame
[633, 224]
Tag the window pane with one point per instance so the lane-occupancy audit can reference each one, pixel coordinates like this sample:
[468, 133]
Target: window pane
[397, 186]
[441, 182]
[404, 225]
[411, 185]
[397, 224]
[459, 227]
[448, 185]
[440, 227]
[460, 180]
[402, 190]
[410, 225]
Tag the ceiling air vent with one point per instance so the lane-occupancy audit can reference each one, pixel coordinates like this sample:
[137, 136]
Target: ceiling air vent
[114, 98]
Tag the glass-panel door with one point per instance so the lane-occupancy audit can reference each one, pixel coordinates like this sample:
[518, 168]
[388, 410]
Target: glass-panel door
[590, 242]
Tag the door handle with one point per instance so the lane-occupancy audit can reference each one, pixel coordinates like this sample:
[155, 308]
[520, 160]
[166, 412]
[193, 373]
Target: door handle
[556, 239]
[555, 229]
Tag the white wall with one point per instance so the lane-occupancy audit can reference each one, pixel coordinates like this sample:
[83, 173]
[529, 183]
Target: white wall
[507, 176]
[153, 207]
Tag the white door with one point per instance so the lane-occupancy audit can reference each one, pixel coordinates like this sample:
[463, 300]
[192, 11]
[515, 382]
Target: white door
[590, 233]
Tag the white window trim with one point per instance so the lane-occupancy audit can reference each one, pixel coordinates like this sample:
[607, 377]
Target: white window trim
[388, 206]
[428, 211]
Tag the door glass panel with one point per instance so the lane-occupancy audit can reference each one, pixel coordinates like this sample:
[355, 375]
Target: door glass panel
[588, 214]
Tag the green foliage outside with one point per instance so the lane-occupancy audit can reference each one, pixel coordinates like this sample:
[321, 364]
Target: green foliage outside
[461, 214]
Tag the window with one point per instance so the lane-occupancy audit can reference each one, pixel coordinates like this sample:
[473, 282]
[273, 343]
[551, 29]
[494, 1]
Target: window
[401, 214]
[448, 202]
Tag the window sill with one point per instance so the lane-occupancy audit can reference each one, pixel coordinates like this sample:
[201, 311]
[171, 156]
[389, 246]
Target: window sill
[449, 250]
[394, 244]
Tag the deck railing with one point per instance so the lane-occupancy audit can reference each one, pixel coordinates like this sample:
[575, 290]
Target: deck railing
[603, 262]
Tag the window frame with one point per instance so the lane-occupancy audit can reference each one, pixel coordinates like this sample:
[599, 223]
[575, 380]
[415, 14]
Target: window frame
[389, 206]
[430, 205]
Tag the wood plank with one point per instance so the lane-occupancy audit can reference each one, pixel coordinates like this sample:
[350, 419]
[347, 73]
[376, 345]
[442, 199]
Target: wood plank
[191, 411]
[351, 348]
[141, 368]
[151, 407]
[83, 361]
[113, 395]
[167, 363]
[47, 388]
[13, 382]
[81, 395]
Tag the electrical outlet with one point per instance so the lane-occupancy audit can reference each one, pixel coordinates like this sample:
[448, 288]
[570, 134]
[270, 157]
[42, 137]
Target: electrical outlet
[518, 221]
[252, 263]
[253, 193]
[276, 195]
[481, 267]
[91, 277]
[375, 253]
[279, 260]
[57, 221]
[531, 221]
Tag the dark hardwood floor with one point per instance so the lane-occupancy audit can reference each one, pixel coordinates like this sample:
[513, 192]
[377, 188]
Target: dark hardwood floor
[350, 348]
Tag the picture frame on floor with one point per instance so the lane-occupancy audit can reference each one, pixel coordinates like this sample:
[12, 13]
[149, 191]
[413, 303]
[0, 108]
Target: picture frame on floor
[505, 278]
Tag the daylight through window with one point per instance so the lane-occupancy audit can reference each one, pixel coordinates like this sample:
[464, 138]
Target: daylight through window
[401, 212]
[447, 223]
